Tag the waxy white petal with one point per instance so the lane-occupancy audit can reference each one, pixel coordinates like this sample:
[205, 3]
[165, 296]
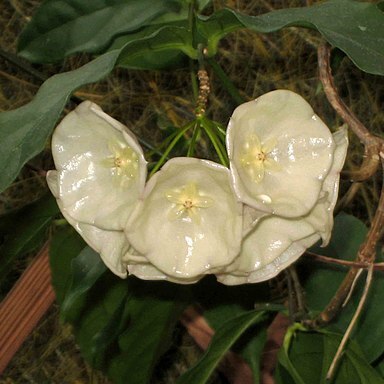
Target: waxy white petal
[268, 271]
[292, 152]
[101, 167]
[150, 272]
[321, 217]
[111, 245]
[204, 236]
[276, 242]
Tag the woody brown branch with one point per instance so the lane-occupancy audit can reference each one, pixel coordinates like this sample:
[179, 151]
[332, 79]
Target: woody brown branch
[373, 144]
[373, 150]
[344, 263]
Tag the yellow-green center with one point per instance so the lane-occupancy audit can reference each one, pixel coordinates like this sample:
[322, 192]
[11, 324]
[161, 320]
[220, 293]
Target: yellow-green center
[187, 202]
[255, 157]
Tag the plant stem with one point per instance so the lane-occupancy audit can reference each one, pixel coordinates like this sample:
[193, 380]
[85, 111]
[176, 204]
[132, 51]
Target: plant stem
[352, 324]
[219, 147]
[170, 147]
[192, 144]
[374, 145]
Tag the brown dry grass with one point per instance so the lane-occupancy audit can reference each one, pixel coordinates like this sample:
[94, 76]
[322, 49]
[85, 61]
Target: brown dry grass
[146, 100]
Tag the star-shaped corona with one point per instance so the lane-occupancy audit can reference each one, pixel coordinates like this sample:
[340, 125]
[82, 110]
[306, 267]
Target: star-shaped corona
[187, 202]
[257, 157]
[123, 162]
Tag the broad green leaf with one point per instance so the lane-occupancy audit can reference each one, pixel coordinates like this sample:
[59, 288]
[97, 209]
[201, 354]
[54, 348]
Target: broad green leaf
[222, 341]
[126, 326]
[164, 57]
[309, 355]
[103, 339]
[224, 303]
[322, 281]
[356, 28]
[86, 269]
[166, 41]
[153, 309]
[62, 27]
[24, 230]
[99, 308]
[379, 366]
[366, 373]
[66, 244]
[24, 131]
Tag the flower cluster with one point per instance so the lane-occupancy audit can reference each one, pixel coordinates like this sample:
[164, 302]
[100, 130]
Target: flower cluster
[196, 217]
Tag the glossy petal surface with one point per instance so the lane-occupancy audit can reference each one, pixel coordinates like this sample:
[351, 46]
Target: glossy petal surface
[277, 242]
[321, 216]
[101, 168]
[150, 272]
[274, 244]
[111, 245]
[280, 153]
[189, 222]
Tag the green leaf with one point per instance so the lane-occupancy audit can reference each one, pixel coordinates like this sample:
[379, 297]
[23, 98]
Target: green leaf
[154, 309]
[222, 341]
[165, 57]
[86, 269]
[224, 303]
[366, 374]
[169, 40]
[322, 282]
[60, 28]
[92, 316]
[66, 244]
[126, 326]
[357, 28]
[105, 338]
[24, 131]
[309, 355]
[24, 230]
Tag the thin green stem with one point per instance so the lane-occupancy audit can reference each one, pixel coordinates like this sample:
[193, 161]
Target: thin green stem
[210, 129]
[225, 81]
[195, 135]
[170, 147]
[220, 129]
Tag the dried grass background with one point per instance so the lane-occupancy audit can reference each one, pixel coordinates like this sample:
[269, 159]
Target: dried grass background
[147, 101]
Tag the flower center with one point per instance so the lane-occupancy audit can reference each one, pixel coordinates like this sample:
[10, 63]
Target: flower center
[118, 162]
[123, 161]
[255, 157]
[187, 202]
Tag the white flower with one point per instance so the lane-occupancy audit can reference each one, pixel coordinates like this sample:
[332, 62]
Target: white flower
[101, 167]
[280, 153]
[100, 175]
[189, 222]
[276, 242]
